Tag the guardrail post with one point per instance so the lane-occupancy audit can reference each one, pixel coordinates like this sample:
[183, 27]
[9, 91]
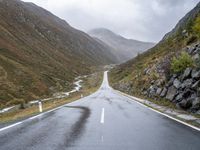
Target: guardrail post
[40, 106]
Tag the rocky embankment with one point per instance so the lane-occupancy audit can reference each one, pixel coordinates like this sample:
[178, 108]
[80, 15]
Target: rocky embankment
[183, 88]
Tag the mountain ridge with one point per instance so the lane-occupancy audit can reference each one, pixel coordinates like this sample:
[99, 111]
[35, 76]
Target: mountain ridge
[125, 48]
[152, 74]
[41, 53]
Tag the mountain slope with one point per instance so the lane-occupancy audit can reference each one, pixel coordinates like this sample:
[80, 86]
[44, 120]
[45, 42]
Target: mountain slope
[41, 53]
[124, 48]
[118, 58]
[152, 71]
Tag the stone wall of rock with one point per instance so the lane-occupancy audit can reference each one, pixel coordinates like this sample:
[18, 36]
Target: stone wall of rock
[182, 89]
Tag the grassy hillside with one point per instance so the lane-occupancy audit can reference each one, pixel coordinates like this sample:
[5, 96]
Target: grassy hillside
[41, 53]
[138, 74]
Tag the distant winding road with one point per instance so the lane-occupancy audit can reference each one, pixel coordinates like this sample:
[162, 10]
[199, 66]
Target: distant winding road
[104, 120]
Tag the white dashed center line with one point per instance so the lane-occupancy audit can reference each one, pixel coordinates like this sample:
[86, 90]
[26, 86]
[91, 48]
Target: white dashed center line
[102, 116]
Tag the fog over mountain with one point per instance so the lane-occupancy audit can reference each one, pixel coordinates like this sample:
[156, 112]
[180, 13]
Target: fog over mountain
[144, 20]
[123, 48]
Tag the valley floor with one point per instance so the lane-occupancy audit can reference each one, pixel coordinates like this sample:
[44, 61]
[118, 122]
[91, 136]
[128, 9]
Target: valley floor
[88, 85]
[105, 120]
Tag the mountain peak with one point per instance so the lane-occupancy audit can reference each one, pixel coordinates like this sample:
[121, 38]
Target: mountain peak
[100, 30]
[125, 48]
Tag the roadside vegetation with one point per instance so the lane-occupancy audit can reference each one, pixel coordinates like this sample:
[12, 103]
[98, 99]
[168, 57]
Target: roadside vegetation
[179, 64]
[159, 63]
[90, 84]
[196, 27]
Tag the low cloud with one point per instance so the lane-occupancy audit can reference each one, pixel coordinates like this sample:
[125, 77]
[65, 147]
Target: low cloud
[137, 19]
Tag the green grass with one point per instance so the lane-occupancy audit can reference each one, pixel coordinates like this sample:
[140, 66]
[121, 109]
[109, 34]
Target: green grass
[179, 64]
[132, 72]
[196, 26]
[90, 85]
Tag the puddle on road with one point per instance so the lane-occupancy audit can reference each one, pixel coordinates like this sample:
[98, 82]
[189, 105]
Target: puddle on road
[79, 127]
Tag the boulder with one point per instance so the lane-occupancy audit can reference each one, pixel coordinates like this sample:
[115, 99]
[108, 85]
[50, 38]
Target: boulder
[171, 93]
[187, 93]
[164, 92]
[185, 104]
[196, 57]
[152, 90]
[177, 83]
[195, 74]
[145, 93]
[170, 82]
[196, 85]
[179, 97]
[194, 95]
[187, 73]
[196, 50]
[196, 104]
[159, 90]
[187, 83]
[159, 82]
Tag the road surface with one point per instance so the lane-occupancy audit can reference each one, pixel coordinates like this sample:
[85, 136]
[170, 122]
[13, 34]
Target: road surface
[104, 120]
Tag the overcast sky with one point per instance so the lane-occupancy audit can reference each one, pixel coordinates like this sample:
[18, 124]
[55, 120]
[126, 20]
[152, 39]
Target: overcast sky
[146, 20]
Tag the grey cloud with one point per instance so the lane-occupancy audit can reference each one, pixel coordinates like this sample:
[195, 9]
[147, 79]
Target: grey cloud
[146, 20]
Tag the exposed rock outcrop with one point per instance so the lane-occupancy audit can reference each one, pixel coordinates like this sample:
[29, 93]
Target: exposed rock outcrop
[157, 68]
[182, 89]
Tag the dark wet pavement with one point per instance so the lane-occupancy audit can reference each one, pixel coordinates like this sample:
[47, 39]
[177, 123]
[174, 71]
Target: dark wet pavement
[82, 125]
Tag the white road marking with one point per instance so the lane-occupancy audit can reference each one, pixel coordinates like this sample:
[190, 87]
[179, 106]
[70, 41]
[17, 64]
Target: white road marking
[168, 116]
[10, 126]
[102, 116]
[31, 118]
[34, 117]
[54, 109]
[102, 138]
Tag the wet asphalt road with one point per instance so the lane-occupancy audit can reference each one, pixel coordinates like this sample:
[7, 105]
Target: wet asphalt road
[104, 120]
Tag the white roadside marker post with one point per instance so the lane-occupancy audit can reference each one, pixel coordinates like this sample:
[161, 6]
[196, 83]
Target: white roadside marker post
[40, 106]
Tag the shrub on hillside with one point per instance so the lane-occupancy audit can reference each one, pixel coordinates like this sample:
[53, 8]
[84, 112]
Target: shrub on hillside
[196, 26]
[181, 63]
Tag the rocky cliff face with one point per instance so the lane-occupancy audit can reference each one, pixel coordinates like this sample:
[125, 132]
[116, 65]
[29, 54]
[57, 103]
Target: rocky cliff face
[151, 75]
[41, 53]
[182, 88]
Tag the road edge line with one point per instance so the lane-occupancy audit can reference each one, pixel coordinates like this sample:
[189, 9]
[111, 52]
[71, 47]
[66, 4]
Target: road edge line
[53, 109]
[39, 115]
[30, 118]
[137, 100]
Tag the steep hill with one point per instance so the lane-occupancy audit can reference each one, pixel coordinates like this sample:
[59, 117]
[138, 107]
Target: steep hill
[164, 71]
[41, 53]
[124, 48]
